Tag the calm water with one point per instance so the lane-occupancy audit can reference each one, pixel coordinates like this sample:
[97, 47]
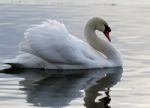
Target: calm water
[98, 88]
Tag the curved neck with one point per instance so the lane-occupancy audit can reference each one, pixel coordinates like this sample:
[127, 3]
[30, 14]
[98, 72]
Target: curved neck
[101, 45]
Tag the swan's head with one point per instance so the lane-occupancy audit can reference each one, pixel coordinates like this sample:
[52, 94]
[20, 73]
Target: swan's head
[101, 25]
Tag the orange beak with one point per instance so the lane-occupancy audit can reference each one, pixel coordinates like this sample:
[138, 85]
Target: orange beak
[106, 33]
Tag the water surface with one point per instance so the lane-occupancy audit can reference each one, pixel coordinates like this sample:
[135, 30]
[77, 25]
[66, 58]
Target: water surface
[98, 88]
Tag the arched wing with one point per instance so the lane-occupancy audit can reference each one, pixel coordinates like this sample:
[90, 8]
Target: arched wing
[50, 41]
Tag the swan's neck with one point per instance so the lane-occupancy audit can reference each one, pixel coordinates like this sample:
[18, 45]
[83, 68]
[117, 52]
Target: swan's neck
[101, 45]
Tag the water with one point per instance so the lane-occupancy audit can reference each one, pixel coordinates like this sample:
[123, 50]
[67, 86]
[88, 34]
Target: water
[99, 88]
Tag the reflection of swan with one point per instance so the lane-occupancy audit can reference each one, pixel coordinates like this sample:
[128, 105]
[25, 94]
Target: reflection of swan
[50, 45]
[103, 85]
[49, 88]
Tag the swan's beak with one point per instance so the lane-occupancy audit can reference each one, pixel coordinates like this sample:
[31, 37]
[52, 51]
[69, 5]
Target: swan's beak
[106, 33]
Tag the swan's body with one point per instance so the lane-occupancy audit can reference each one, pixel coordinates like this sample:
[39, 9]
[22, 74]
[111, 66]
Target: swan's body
[50, 46]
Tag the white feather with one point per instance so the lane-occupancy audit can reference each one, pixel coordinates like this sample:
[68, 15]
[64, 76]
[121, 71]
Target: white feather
[50, 45]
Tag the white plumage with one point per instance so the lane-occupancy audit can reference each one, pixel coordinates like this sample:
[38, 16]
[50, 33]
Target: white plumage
[49, 45]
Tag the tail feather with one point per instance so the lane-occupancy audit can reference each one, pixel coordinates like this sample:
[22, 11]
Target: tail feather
[4, 66]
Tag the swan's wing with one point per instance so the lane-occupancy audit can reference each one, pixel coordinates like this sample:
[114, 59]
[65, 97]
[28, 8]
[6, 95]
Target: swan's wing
[52, 42]
[47, 41]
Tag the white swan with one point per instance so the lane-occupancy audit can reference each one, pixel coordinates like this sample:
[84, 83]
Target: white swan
[50, 46]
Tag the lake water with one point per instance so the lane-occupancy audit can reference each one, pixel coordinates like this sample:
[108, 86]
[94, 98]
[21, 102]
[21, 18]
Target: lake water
[126, 87]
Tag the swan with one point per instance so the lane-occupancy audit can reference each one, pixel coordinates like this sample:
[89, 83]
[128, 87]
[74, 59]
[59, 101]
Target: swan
[49, 45]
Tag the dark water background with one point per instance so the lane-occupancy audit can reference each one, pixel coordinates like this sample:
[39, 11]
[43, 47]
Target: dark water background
[99, 88]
